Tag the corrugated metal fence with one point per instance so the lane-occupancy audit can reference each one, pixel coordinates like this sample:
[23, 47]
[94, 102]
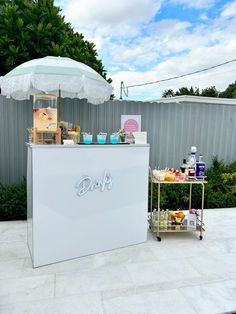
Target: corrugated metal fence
[172, 129]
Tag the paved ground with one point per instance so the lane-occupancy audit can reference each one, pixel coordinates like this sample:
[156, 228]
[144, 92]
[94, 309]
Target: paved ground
[181, 274]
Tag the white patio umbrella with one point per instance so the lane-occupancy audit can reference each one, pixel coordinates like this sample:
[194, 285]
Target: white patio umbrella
[56, 75]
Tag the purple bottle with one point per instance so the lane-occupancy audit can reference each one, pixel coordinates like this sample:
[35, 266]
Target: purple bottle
[200, 168]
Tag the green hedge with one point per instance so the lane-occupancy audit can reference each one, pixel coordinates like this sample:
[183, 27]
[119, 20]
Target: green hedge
[13, 201]
[219, 192]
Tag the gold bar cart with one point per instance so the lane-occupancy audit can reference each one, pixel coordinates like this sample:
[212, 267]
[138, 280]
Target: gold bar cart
[172, 228]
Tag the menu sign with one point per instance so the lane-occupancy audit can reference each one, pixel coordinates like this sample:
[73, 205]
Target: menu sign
[131, 123]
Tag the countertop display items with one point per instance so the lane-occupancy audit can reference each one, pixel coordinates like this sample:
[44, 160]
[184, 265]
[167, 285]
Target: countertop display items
[44, 137]
[69, 132]
[114, 138]
[140, 137]
[45, 130]
[74, 134]
[122, 135]
[101, 138]
[45, 112]
[87, 138]
[173, 220]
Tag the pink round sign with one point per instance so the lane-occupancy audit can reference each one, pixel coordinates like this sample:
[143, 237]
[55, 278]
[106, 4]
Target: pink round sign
[131, 125]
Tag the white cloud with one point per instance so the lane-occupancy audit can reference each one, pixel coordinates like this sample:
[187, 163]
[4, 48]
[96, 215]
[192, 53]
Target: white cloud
[196, 4]
[199, 47]
[204, 17]
[117, 17]
[135, 48]
[196, 59]
[229, 10]
[164, 39]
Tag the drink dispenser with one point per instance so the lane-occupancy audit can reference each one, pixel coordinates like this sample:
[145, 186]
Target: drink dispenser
[45, 112]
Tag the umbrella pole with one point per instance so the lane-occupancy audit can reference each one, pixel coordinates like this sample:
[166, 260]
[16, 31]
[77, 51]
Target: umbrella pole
[59, 106]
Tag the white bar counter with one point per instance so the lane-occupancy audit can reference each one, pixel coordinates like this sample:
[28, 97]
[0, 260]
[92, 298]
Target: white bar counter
[85, 199]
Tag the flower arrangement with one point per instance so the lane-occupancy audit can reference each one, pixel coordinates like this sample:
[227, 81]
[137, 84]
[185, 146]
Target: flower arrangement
[121, 133]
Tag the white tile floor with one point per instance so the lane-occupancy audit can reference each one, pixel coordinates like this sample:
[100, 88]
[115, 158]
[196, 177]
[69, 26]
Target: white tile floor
[181, 274]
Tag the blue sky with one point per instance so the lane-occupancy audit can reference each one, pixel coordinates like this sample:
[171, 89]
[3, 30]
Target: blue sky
[146, 40]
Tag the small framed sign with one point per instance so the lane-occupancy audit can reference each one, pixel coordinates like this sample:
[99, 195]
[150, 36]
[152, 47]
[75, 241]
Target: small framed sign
[68, 142]
[131, 123]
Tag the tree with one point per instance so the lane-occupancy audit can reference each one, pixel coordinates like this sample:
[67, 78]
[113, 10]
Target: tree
[230, 91]
[181, 91]
[168, 93]
[32, 29]
[210, 92]
[185, 91]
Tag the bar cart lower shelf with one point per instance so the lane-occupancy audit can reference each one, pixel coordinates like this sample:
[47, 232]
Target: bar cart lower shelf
[198, 225]
[171, 229]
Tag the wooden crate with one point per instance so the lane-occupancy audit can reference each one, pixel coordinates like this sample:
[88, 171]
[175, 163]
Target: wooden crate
[39, 136]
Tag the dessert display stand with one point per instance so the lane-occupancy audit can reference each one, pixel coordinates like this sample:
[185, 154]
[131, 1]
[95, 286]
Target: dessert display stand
[157, 229]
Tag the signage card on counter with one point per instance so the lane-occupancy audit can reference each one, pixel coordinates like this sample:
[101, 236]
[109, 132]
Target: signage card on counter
[131, 123]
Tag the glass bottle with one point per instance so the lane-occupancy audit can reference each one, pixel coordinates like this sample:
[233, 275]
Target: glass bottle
[165, 218]
[162, 218]
[200, 168]
[184, 166]
[193, 157]
[192, 163]
[154, 218]
[169, 218]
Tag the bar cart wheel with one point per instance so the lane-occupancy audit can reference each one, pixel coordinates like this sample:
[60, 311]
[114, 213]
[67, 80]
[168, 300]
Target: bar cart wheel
[201, 237]
[159, 239]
